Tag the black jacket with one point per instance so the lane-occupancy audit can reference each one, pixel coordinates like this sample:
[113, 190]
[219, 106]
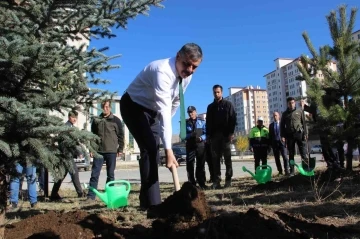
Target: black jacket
[220, 117]
[111, 133]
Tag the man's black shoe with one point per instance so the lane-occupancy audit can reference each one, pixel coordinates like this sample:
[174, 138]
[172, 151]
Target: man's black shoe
[215, 186]
[227, 184]
[56, 198]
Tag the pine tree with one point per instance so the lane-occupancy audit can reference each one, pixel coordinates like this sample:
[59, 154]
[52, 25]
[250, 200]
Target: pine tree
[41, 75]
[336, 96]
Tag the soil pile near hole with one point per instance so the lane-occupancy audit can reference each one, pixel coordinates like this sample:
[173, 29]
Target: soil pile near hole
[255, 223]
[187, 203]
[76, 224]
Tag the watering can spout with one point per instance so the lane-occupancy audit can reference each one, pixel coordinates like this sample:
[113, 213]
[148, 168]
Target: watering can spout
[102, 196]
[246, 170]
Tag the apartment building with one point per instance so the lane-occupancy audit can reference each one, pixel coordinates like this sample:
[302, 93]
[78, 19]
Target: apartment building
[250, 103]
[281, 83]
[84, 118]
[356, 37]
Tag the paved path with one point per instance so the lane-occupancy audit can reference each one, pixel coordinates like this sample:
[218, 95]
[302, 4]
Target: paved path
[130, 172]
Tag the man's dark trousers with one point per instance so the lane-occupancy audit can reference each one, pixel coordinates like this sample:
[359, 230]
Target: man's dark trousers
[196, 151]
[260, 154]
[110, 160]
[291, 140]
[209, 160]
[220, 145]
[144, 126]
[74, 178]
[279, 148]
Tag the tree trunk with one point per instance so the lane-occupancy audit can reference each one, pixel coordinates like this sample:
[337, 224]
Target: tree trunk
[349, 153]
[3, 202]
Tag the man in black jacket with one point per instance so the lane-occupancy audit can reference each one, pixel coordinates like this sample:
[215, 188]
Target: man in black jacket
[220, 126]
[110, 130]
[293, 130]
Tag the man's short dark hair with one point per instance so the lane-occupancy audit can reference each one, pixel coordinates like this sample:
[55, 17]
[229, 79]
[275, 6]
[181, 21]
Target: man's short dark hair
[218, 86]
[290, 99]
[104, 102]
[73, 113]
[191, 51]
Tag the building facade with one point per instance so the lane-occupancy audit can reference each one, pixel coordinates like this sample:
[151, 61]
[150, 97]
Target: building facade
[281, 83]
[356, 37]
[250, 103]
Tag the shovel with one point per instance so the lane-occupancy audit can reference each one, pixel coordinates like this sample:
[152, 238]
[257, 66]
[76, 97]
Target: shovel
[175, 178]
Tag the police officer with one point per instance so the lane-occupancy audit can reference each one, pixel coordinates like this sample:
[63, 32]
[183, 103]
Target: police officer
[259, 142]
[195, 148]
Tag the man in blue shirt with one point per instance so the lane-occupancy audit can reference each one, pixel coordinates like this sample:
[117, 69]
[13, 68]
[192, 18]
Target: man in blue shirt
[195, 148]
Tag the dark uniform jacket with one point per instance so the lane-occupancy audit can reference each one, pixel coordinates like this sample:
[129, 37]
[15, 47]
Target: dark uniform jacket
[292, 121]
[111, 133]
[198, 127]
[220, 118]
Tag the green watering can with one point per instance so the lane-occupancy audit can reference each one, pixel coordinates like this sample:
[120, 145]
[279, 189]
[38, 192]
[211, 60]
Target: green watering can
[262, 175]
[306, 169]
[115, 196]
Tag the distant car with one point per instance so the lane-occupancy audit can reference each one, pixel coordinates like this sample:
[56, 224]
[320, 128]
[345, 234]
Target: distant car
[233, 150]
[82, 163]
[179, 153]
[316, 149]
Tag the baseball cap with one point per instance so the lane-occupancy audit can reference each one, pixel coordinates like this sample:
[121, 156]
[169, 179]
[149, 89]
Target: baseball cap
[260, 119]
[191, 108]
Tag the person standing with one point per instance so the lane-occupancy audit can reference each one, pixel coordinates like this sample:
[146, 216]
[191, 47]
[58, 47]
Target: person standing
[259, 142]
[293, 130]
[220, 127]
[54, 196]
[278, 145]
[148, 105]
[30, 172]
[195, 148]
[110, 131]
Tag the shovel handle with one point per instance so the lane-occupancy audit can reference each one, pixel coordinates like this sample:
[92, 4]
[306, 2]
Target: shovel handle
[175, 177]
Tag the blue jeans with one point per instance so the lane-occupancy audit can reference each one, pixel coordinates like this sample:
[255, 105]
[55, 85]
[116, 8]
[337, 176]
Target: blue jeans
[110, 160]
[30, 173]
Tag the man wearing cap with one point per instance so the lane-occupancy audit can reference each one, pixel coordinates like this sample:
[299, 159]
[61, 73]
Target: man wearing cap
[259, 142]
[220, 127]
[195, 148]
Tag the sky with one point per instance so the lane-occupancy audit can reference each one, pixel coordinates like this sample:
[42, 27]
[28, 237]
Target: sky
[239, 39]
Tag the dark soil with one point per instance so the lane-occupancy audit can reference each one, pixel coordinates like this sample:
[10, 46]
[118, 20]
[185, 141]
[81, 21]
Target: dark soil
[185, 214]
[186, 204]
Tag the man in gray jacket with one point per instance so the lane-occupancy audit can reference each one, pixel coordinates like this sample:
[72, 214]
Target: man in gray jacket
[110, 130]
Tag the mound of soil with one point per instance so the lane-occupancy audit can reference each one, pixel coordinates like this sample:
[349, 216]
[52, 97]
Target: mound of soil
[255, 223]
[186, 204]
[76, 224]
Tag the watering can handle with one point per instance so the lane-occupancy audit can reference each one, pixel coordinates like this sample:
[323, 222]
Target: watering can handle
[260, 166]
[119, 182]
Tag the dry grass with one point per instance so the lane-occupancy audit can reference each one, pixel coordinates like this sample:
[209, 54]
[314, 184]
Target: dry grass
[339, 204]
